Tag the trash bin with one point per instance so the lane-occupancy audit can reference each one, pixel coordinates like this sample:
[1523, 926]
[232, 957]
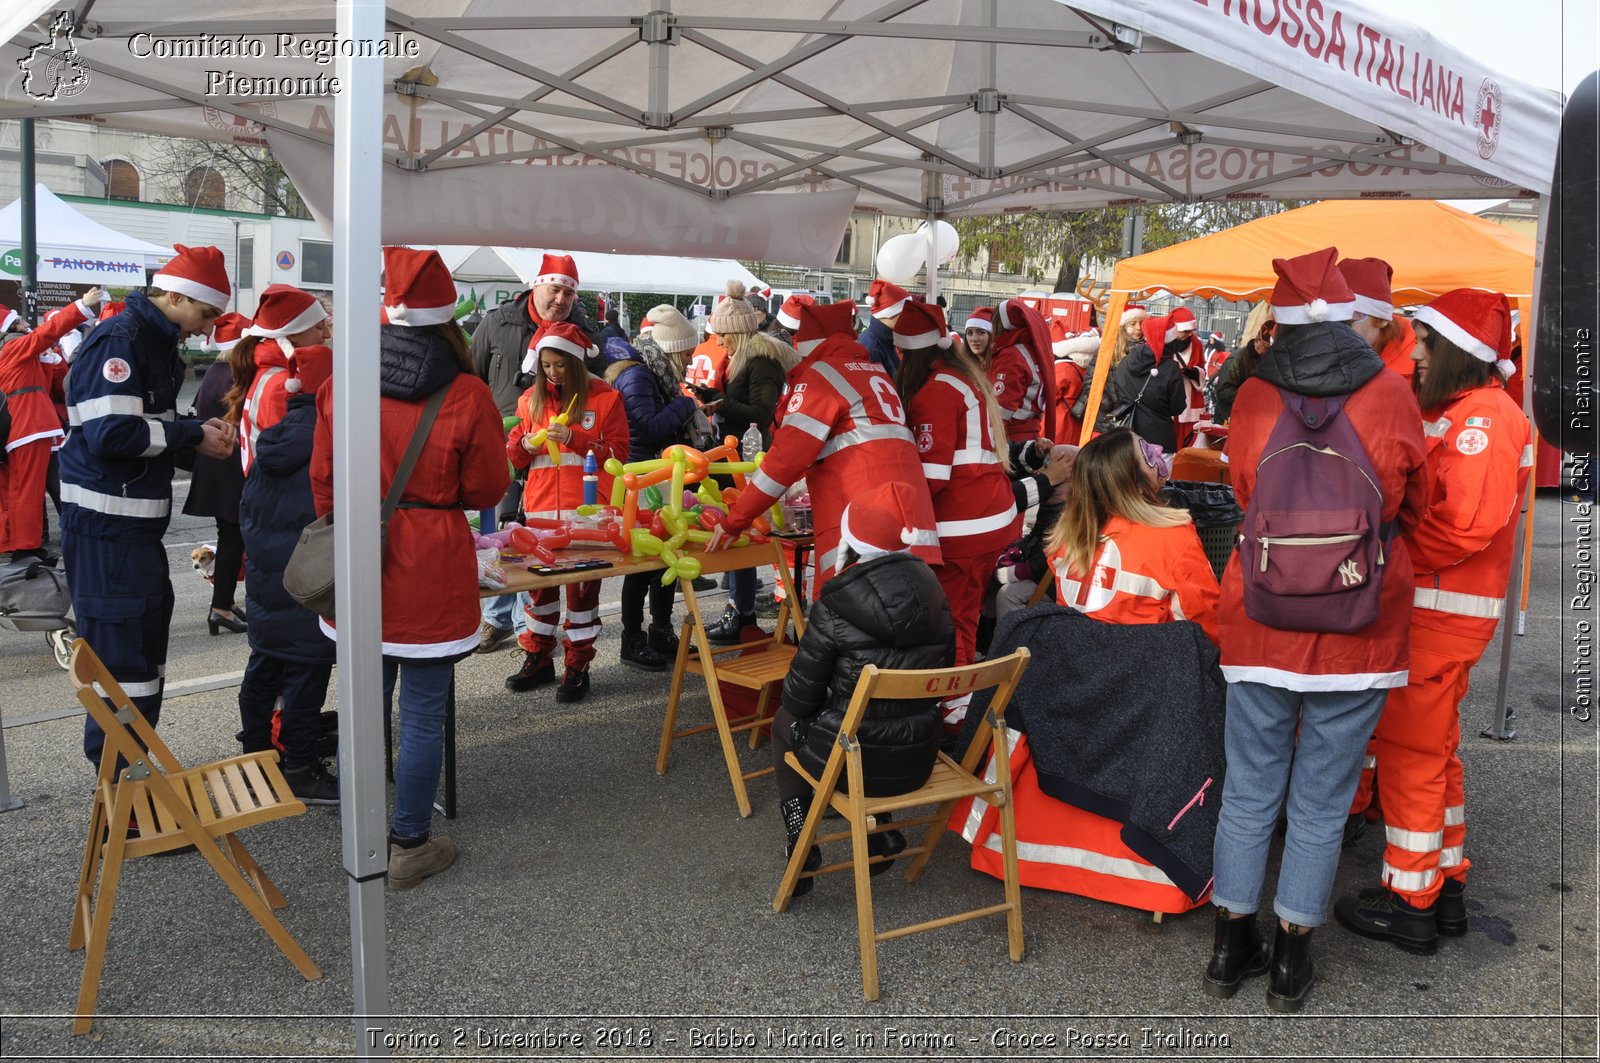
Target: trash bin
[1216, 516]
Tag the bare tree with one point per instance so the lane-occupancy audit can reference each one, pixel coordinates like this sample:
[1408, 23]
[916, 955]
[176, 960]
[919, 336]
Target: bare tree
[248, 170]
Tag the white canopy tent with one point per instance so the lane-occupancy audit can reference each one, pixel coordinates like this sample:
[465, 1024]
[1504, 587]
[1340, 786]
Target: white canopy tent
[690, 127]
[619, 273]
[77, 250]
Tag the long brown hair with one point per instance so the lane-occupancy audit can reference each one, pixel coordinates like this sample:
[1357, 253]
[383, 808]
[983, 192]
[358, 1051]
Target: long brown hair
[916, 366]
[242, 364]
[1108, 479]
[451, 333]
[1451, 371]
[575, 389]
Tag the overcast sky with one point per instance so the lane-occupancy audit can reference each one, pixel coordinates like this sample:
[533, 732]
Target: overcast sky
[1552, 43]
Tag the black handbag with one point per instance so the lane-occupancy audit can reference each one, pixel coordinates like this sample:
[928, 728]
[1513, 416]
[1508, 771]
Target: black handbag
[308, 577]
[1122, 416]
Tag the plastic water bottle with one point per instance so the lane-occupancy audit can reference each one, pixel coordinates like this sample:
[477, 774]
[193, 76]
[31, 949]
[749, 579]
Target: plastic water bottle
[591, 480]
[750, 444]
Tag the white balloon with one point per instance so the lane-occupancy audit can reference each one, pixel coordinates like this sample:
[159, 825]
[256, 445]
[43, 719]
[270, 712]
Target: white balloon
[901, 258]
[946, 241]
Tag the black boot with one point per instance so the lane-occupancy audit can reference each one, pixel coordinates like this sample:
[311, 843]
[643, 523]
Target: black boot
[729, 629]
[1384, 915]
[1291, 974]
[1238, 951]
[637, 652]
[1450, 912]
[537, 670]
[890, 843]
[574, 685]
[794, 820]
[663, 640]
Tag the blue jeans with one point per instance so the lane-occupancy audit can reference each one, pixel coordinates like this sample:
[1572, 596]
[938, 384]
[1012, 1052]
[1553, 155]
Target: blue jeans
[424, 694]
[1319, 776]
[503, 612]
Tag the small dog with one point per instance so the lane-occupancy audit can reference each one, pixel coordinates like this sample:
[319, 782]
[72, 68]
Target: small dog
[205, 561]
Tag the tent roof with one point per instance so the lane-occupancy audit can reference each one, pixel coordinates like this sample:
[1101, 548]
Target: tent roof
[621, 273]
[62, 228]
[1433, 248]
[712, 130]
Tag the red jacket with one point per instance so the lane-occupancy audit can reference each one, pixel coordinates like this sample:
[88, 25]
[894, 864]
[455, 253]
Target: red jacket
[266, 401]
[972, 498]
[602, 427]
[1396, 353]
[1143, 575]
[844, 430]
[1069, 385]
[33, 415]
[1480, 453]
[430, 569]
[1017, 386]
[1384, 416]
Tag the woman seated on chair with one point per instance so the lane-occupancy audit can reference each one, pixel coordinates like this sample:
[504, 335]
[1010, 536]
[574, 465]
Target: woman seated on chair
[1121, 556]
[885, 607]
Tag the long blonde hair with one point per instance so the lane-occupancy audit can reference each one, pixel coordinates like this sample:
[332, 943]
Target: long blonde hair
[743, 346]
[1108, 480]
[1120, 349]
[916, 366]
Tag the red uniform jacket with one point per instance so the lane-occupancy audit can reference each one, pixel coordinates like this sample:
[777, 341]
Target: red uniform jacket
[1384, 416]
[1017, 387]
[430, 569]
[972, 498]
[844, 430]
[708, 364]
[33, 415]
[1069, 385]
[1143, 575]
[1480, 453]
[266, 401]
[602, 427]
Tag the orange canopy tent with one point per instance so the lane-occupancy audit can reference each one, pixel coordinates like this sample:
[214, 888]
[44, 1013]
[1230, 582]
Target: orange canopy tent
[1432, 246]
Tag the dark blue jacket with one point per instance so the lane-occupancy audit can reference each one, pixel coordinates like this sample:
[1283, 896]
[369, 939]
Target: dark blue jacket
[275, 507]
[653, 425]
[122, 396]
[878, 339]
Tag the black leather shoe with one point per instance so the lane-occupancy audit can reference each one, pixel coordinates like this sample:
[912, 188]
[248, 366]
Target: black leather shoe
[1384, 916]
[215, 620]
[1291, 974]
[730, 628]
[537, 670]
[637, 653]
[813, 861]
[1238, 951]
[1450, 912]
[890, 843]
[574, 685]
[663, 640]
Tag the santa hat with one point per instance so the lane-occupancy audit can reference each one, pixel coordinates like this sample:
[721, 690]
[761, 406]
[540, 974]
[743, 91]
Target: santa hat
[562, 336]
[201, 273]
[1179, 322]
[1156, 331]
[1477, 321]
[1369, 279]
[818, 322]
[983, 318]
[881, 522]
[1059, 335]
[1310, 289]
[285, 310]
[308, 368]
[557, 269]
[112, 309]
[7, 318]
[886, 299]
[226, 331]
[789, 313]
[921, 325]
[417, 288]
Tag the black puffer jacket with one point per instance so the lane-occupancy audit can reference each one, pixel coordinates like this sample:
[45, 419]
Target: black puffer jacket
[889, 611]
[1320, 359]
[501, 341]
[1160, 397]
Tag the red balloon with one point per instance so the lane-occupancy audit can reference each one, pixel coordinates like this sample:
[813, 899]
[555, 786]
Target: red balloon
[710, 517]
[524, 541]
[658, 528]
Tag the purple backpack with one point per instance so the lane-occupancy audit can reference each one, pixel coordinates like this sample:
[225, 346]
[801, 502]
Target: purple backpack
[1312, 545]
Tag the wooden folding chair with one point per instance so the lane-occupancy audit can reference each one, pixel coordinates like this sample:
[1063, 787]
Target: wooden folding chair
[949, 783]
[760, 666]
[157, 805]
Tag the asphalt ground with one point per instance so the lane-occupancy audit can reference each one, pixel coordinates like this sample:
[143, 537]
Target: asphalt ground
[597, 901]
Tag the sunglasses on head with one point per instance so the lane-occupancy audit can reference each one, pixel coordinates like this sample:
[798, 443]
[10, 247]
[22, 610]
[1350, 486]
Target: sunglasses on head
[1267, 329]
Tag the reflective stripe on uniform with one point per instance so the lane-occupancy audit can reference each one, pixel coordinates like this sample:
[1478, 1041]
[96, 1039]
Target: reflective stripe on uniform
[858, 410]
[936, 472]
[869, 434]
[969, 830]
[1408, 881]
[105, 406]
[1436, 428]
[1451, 856]
[1088, 859]
[1527, 457]
[807, 424]
[1414, 841]
[1455, 815]
[977, 525]
[134, 689]
[158, 440]
[1458, 603]
[766, 484]
[1369, 761]
[976, 456]
[116, 505]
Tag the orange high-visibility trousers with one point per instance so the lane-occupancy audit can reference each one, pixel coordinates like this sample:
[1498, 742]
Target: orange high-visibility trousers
[1419, 770]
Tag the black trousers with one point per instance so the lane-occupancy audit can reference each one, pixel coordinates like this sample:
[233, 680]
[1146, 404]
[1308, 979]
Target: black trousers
[225, 573]
[634, 589]
[304, 688]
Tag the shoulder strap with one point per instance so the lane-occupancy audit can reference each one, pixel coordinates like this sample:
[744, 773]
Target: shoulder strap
[430, 412]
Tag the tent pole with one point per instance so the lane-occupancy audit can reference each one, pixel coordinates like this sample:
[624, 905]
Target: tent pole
[933, 251]
[30, 230]
[357, 256]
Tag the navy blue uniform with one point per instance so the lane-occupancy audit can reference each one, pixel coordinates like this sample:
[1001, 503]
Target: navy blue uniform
[116, 497]
[878, 339]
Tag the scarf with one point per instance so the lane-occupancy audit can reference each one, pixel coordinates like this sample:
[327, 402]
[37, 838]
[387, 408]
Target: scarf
[668, 377]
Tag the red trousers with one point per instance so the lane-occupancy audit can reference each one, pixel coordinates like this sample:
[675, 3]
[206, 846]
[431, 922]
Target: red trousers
[1419, 769]
[578, 629]
[26, 471]
[964, 580]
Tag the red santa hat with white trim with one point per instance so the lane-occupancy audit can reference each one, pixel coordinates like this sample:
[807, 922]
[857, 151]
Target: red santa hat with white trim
[818, 322]
[308, 368]
[981, 318]
[227, 331]
[201, 273]
[1311, 289]
[921, 325]
[417, 288]
[112, 308]
[886, 299]
[1179, 322]
[561, 336]
[882, 522]
[557, 269]
[285, 310]
[1477, 321]
[788, 314]
[1369, 279]
[8, 317]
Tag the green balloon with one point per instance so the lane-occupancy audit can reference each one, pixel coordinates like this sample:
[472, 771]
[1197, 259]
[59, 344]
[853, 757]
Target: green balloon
[650, 497]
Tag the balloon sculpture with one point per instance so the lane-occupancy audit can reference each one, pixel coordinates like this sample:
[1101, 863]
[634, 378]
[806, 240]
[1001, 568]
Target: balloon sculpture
[652, 511]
